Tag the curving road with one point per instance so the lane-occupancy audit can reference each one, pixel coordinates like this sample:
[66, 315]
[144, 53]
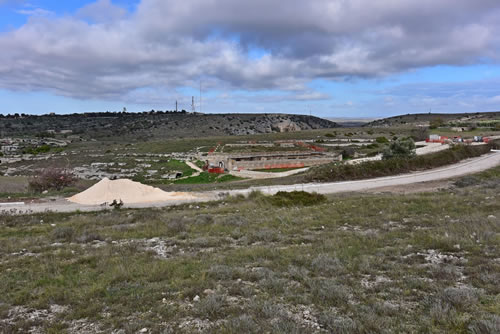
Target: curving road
[465, 167]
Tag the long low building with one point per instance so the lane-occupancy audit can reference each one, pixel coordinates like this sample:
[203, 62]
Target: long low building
[270, 160]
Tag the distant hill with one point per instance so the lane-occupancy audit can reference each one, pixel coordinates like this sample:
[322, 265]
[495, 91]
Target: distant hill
[157, 124]
[350, 122]
[425, 119]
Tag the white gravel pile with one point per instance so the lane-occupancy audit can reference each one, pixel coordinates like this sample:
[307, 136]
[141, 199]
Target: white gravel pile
[127, 191]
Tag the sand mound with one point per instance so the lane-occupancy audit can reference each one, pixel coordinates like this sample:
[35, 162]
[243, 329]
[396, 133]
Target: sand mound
[128, 191]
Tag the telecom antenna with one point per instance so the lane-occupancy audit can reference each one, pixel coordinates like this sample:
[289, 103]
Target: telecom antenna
[200, 96]
[176, 105]
[193, 106]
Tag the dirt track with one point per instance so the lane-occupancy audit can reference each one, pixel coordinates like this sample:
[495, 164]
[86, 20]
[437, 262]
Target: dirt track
[463, 168]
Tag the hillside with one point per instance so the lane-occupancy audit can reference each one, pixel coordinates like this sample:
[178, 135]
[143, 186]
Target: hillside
[425, 119]
[157, 124]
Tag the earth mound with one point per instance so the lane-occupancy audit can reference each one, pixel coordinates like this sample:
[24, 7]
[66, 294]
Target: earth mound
[127, 191]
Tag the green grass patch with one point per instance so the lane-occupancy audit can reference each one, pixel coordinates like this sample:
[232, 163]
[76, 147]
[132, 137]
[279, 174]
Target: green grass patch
[209, 178]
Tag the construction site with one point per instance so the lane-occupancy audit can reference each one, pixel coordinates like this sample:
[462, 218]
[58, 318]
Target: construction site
[269, 160]
[261, 156]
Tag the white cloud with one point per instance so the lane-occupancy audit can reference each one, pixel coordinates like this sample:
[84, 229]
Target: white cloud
[34, 12]
[101, 11]
[103, 52]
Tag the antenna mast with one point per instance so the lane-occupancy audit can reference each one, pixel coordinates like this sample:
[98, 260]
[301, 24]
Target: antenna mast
[193, 106]
[200, 95]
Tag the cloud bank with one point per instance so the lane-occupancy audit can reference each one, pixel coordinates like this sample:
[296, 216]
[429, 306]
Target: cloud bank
[105, 52]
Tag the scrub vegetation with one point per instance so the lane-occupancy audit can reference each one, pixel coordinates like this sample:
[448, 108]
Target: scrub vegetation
[394, 165]
[352, 263]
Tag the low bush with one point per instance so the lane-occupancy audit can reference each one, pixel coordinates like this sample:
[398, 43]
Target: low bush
[382, 140]
[467, 181]
[63, 233]
[401, 148]
[294, 198]
[212, 306]
[485, 326]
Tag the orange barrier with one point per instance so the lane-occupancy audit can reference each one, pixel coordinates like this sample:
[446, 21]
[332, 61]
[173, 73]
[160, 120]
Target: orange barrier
[216, 170]
[283, 166]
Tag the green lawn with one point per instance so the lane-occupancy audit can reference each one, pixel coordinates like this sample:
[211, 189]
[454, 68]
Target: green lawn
[208, 178]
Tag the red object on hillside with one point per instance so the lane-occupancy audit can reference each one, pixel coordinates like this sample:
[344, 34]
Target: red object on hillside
[436, 139]
[317, 148]
[284, 166]
[312, 147]
[216, 170]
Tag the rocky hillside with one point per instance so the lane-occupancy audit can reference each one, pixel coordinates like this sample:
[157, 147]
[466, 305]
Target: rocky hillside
[156, 124]
[425, 119]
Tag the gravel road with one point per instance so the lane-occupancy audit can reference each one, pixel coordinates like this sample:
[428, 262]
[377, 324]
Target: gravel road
[465, 167]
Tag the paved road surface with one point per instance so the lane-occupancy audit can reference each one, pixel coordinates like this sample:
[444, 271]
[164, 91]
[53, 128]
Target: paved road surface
[463, 168]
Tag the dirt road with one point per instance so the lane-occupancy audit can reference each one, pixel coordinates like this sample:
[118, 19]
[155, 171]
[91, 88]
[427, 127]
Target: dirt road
[463, 168]
[266, 175]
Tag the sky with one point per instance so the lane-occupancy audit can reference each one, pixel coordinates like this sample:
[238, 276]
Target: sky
[329, 58]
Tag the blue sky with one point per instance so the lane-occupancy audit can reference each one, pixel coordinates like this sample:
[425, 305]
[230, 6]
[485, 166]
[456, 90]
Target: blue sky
[325, 57]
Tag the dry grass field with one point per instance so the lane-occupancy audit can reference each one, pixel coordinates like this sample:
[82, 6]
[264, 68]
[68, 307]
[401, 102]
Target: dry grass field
[353, 263]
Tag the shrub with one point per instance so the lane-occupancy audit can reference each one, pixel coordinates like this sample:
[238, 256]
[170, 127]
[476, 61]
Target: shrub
[211, 306]
[382, 140]
[52, 179]
[294, 198]
[348, 153]
[326, 264]
[436, 123]
[338, 324]
[329, 292]
[63, 233]
[401, 148]
[243, 324]
[460, 298]
[467, 181]
[486, 326]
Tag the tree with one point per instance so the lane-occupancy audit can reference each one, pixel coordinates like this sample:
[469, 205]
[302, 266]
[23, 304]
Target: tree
[436, 123]
[401, 148]
[52, 179]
